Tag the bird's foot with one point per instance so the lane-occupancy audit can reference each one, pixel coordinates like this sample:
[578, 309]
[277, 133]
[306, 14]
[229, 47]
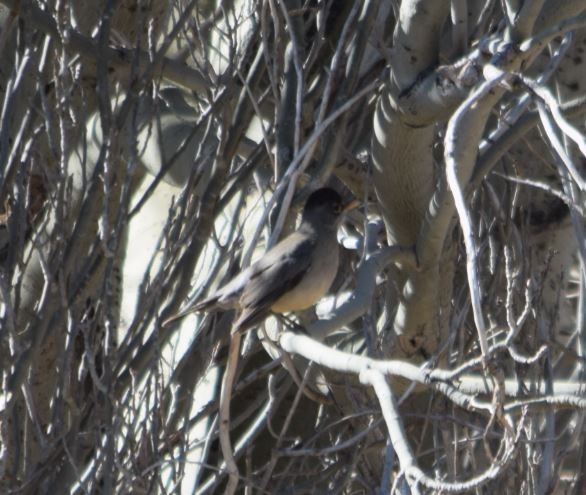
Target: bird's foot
[292, 325]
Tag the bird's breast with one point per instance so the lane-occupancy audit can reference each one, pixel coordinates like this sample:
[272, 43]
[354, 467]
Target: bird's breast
[316, 282]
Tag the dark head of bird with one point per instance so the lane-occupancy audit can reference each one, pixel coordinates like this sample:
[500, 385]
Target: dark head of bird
[323, 207]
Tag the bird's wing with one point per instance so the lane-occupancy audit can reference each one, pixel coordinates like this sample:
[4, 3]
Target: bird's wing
[275, 274]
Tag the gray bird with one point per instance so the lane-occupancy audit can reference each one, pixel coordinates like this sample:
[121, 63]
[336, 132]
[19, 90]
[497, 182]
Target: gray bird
[292, 275]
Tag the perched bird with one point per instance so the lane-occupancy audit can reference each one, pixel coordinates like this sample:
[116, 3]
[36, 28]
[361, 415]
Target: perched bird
[292, 275]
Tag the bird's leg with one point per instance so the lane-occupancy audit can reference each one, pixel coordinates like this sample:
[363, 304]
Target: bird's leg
[291, 324]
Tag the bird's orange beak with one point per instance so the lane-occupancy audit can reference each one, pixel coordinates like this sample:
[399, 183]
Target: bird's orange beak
[355, 203]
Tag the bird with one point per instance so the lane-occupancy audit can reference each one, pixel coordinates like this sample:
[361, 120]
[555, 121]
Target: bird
[292, 275]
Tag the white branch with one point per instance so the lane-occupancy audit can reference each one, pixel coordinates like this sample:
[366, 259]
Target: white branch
[453, 144]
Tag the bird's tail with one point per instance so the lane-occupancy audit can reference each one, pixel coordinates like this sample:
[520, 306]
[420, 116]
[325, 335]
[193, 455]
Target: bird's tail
[204, 305]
